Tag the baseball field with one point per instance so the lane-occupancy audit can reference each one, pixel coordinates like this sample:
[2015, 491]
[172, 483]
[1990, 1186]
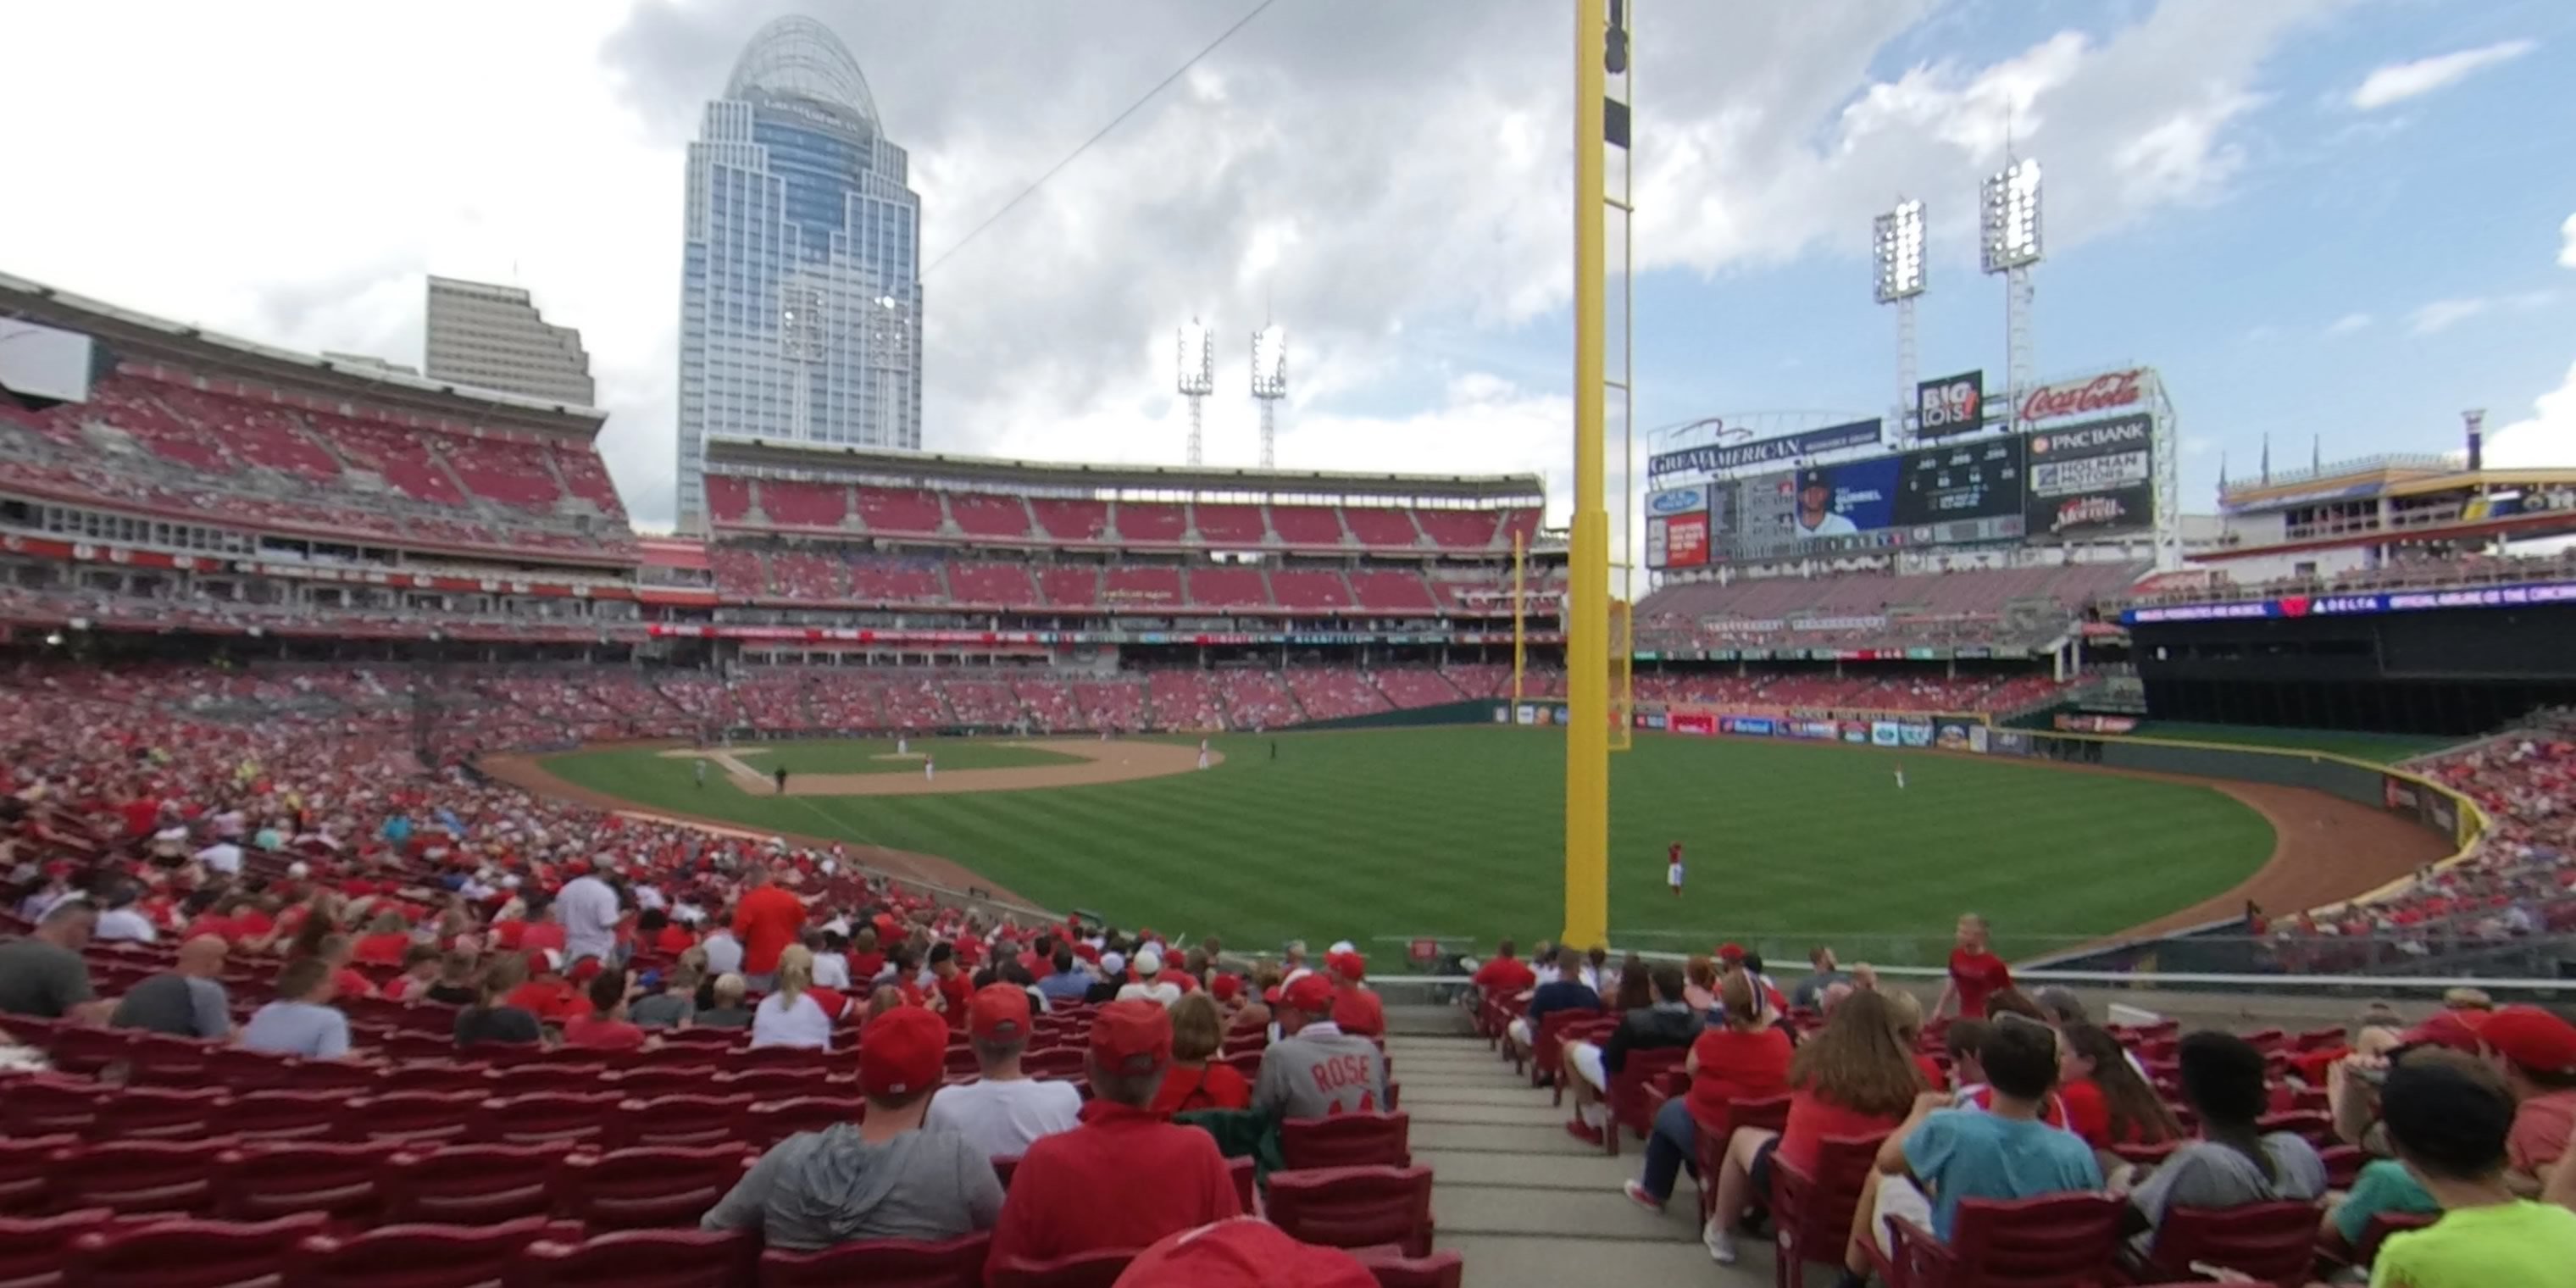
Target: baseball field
[1385, 835]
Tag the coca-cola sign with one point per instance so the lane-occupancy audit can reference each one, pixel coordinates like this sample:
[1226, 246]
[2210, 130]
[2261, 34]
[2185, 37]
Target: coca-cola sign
[2083, 397]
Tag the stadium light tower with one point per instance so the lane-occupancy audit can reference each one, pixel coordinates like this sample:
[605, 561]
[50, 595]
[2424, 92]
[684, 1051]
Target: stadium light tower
[2009, 244]
[1197, 376]
[1269, 384]
[1896, 243]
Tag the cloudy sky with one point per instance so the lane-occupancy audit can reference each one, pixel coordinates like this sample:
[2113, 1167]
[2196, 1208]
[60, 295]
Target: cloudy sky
[2345, 219]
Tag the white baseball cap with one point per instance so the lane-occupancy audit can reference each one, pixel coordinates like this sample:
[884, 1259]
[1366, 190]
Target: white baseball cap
[1149, 962]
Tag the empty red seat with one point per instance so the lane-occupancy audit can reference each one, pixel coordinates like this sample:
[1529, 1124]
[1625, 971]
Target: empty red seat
[774, 1121]
[1355, 1207]
[472, 1184]
[411, 1117]
[680, 1120]
[640, 1259]
[263, 1182]
[160, 1113]
[420, 1256]
[136, 1176]
[187, 1254]
[1394, 1270]
[546, 1117]
[40, 1106]
[33, 1248]
[892, 1263]
[282, 1115]
[1098, 1269]
[630, 1189]
[23, 1164]
[1347, 1140]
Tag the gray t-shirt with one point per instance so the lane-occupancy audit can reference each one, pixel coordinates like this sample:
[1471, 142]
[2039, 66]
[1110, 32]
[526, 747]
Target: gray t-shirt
[297, 1028]
[661, 1010]
[721, 1017]
[40, 979]
[817, 1189]
[1319, 1072]
[2206, 1174]
[182, 1006]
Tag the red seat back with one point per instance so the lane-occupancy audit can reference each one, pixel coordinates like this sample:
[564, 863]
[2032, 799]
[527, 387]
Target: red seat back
[546, 1117]
[771, 1122]
[1355, 1207]
[2274, 1242]
[882, 1263]
[1811, 1214]
[24, 1164]
[1347, 1140]
[1392, 1270]
[136, 1176]
[160, 1113]
[639, 1259]
[472, 1184]
[2057, 1241]
[44, 1106]
[1626, 1093]
[2384, 1224]
[632, 1189]
[261, 1182]
[411, 1117]
[283, 1115]
[187, 1254]
[419, 1256]
[680, 1120]
[1098, 1269]
[32, 1248]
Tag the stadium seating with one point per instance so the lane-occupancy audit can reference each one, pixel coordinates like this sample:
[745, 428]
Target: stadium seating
[1128, 586]
[1143, 521]
[1226, 587]
[1383, 591]
[899, 510]
[1230, 527]
[1309, 525]
[992, 584]
[1310, 588]
[986, 514]
[792, 504]
[1071, 520]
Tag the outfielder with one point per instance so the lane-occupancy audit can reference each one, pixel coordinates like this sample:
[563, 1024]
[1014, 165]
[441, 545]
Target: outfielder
[1673, 868]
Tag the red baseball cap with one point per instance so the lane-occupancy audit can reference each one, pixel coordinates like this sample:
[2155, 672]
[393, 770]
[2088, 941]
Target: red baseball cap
[1310, 993]
[2457, 1030]
[1132, 1036]
[1245, 1252]
[1225, 988]
[902, 1051]
[2532, 1038]
[1730, 952]
[585, 970]
[1351, 966]
[998, 1013]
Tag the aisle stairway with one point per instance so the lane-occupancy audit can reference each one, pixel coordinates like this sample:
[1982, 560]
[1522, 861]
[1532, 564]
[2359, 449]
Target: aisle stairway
[1530, 1206]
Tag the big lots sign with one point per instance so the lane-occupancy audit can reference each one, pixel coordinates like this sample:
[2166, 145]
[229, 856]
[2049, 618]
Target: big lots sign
[2084, 397]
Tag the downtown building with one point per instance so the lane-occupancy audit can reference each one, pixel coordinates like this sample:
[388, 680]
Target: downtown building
[493, 337]
[800, 297]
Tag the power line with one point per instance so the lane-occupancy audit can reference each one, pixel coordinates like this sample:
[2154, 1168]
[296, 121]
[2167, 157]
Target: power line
[1114, 123]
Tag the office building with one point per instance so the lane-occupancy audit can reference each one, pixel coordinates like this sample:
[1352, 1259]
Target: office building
[493, 337]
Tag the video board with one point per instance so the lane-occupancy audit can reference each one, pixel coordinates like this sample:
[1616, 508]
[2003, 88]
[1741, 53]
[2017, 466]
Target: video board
[1966, 492]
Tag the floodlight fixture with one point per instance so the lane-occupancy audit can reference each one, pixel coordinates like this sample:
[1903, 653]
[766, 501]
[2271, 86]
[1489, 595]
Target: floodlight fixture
[1269, 384]
[1197, 377]
[2010, 226]
[1896, 242]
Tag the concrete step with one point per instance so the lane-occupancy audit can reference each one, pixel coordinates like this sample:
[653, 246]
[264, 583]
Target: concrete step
[1563, 1172]
[1505, 1115]
[1494, 1138]
[1539, 1261]
[1419, 1097]
[1598, 1213]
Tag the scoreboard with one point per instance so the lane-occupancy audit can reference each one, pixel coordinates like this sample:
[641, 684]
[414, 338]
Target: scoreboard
[1971, 492]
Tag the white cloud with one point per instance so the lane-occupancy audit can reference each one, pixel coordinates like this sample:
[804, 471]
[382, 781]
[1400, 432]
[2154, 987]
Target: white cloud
[309, 161]
[2349, 323]
[2397, 82]
[2567, 251]
[2442, 315]
[2546, 438]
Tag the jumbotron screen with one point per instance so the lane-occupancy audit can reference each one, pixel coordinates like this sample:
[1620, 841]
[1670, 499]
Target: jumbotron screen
[1968, 492]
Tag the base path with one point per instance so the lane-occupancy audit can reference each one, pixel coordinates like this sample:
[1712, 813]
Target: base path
[1116, 761]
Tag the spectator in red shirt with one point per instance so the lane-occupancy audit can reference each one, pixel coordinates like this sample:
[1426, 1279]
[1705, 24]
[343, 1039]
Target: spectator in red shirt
[953, 986]
[1743, 1057]
[1055, 1207]
[767, 920]
[2107, 1102]
[1355, 1008]
[606, 1028]
[547, 994]
[1976, 974]
[1506, 974]
[419, 971]
[668, 938]
[1199, 1079]
[543, 933]
[386, 940]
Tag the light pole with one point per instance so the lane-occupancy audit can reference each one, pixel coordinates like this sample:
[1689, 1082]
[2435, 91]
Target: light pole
[1269, 384]
[1197, 376]
[2009, 244]
[1896, 245]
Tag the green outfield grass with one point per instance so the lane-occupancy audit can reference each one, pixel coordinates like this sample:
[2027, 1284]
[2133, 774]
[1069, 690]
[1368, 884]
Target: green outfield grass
[853, 756]
[2376, 748]
[1457, 832]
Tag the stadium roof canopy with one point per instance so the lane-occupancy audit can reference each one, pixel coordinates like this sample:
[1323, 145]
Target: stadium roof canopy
[134, 337]
[931, 469]
[798, 61]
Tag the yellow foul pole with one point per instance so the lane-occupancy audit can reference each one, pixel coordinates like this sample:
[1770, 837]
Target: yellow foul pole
[1520, 615]
[1587, 609]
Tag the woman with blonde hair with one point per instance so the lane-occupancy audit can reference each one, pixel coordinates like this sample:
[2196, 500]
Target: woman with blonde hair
[789, 1016]
[1741, 1055]
[1198, 1078]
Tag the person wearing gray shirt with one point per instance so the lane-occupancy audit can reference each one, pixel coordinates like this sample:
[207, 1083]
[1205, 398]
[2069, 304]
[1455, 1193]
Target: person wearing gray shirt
[184, 1001]
[301, 1021]
[1315, 1070]
[2233, 1164]
[883, 1177]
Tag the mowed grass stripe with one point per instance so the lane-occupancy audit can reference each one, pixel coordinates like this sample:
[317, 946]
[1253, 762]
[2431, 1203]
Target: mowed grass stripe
[1459, 832]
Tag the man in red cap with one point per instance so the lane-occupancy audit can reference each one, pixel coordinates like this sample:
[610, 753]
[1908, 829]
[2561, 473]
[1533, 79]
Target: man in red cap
[1076, 1192]
[2536, 1053]
[1315, 1070]
[881, 1177]
[1356, 1010]
[1246, 1252]
[1006, 1112]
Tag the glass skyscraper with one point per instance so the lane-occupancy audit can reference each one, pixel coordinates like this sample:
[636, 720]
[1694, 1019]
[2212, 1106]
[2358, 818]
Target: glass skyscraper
[800, 298]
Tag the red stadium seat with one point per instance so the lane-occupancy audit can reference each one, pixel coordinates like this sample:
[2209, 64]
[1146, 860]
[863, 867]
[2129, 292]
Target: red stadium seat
[1811, 1216]
[283, 1115]
[640, 1259]
[136, 1176]
[1355, 1207]
[680, 1120]
[1081, 1270]
[1346, 1140]
[38, 1106]
[768, 1123]
[891, 1263]
[546, 1117]
[33, 1248]
[2061, 1241]
[24, 1164]
[420, 1256]
[410, 1118]
[472, 1184]
[263, 1182]
[1712, 1138]
[2273, 1242]
[187, 1254]
[1625, 1097]
[1392, 1269]
[630, 1189]
[160, 1113]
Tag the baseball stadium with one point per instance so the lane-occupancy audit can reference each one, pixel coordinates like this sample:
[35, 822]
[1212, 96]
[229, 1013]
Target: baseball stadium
[368, 680]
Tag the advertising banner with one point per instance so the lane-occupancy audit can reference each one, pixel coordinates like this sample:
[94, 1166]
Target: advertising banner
[1958, 735]
[1685, 540]
[2076, 722]
[1527, 714]
[1824, 730]
[1885, 733]
[1914, 734]
[1713, 459]
[1950, 405]
[2008, 742]
[1979, 738]
[1749, 726]
[2092, 479]
[1698, 722]
[2523, 596]
[2108, 392]
[2431, 808]
[1856, 731]
[1677, 500]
